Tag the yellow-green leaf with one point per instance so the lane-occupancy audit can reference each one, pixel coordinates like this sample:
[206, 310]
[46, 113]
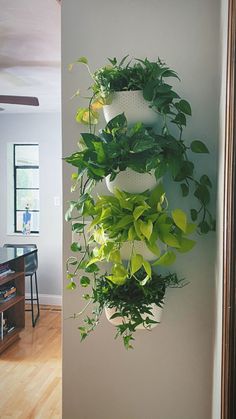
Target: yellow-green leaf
[146, 228]
[119, 274]
[127, 219]
[191, 228]
[132, 233]
[147, 268]
[99, 236]
[137, 228]
[166, 259]
[180, 219]
[171, 240]
[115, 256]
[138, 211]
[136, 263]
[186, 245]
[154, 248]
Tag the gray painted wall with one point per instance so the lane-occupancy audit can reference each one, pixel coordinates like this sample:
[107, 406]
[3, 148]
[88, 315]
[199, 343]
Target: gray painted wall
[169, 373]
[44, 129]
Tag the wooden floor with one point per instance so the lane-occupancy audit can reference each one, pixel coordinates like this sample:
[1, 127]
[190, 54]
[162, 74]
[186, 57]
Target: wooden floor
[30, 370]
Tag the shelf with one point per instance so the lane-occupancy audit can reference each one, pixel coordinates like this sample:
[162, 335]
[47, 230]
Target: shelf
[10, 303]
[9, 339]
[10, 277]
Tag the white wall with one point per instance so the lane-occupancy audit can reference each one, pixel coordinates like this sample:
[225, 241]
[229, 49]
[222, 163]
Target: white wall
[44, 129]
[169, 373]
[216, 413]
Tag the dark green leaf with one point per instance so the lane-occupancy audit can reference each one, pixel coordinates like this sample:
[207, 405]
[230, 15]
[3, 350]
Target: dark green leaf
[194, 214]
[204, 227]
[203, 194]
[184, 107]
[184, 189]
[75, 247]
[148, 90]
[84, 281]
[198, 146]
[204, 180]
[77, 227]
[92, 268]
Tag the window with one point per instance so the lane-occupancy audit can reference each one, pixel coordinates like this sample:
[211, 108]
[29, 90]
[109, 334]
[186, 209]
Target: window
[26, 185]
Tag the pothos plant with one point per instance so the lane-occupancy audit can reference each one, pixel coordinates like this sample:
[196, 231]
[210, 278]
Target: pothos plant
[117, 148]
[116, 220]
[148, 76]
[104, 224]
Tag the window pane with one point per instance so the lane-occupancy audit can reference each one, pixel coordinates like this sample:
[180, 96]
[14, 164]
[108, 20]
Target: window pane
[27, 197]
[26, 155]
[34, 224]
[27, 178]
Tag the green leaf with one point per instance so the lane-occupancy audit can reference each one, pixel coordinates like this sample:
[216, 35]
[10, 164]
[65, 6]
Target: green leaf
[203, 194]
[146, 228]
[171, 240]
[132, 233]
[84, 281]
[144, 280]
[100, 152]
[186, 245]
[180, 219]
[77, 227]
[160, 169]
[92, 268]
[156, 195]
[119, 274]
[204, 180]
[180, 119]
[191, 228]
[166, 259]
[82, 60]
[138, 211]
[127, 219]
[194, 214]
[136, 263]
[198, 146]
[148, 269]
[184, 107]
[71, 285]
[204, 227]
[75, 247]
[185, 189]
[115, 257]
[153, 248]
[148, 90]
[145, 144]
[137, 229]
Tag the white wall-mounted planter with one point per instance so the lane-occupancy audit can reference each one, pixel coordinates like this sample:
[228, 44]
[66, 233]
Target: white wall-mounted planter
[134, 106]
[131, 181]
[139, 247]
[156, 316]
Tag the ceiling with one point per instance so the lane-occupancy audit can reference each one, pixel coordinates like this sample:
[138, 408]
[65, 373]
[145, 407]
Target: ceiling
[30, 53]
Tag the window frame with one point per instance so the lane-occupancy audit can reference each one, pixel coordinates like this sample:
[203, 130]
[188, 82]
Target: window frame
[15, 167]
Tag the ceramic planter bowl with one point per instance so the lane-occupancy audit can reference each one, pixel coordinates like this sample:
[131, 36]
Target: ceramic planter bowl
[156, 316]
[134, 106]
[131, 181]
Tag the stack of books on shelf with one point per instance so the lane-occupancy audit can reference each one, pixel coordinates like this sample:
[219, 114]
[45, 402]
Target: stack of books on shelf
[7, 292]
[6, 327]
[5, 270]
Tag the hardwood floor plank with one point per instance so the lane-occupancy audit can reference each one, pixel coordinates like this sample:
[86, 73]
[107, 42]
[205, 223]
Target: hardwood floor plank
[30, 370]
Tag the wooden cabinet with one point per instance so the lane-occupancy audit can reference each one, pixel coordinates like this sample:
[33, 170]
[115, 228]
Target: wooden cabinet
[13, 309]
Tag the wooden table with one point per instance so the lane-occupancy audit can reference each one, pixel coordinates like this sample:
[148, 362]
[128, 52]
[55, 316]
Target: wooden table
[14, 308]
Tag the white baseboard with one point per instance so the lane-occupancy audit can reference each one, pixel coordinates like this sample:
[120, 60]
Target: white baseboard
[48, 299]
